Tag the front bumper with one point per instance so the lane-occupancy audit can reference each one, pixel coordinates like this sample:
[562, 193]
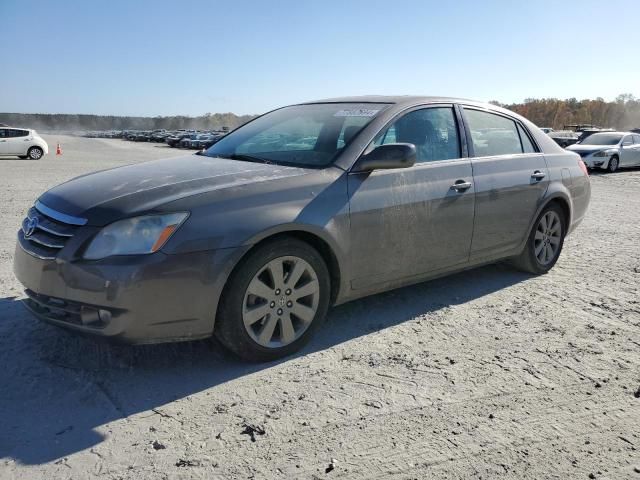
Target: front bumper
[134, 299]
[596, 162]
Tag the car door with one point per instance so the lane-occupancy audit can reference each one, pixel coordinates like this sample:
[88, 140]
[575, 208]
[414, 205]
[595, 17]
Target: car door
[636, 149]
[412, 221]
[17, 141]
[3, 142]
[627, 153]
[510, 177]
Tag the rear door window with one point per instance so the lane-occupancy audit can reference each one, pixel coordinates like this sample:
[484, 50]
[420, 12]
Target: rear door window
[636, 139]
[492, 134]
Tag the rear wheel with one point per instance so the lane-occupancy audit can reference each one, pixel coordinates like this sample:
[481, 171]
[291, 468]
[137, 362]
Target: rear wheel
[545, 242]
[614, 163]
[35, 153]
[274, 301]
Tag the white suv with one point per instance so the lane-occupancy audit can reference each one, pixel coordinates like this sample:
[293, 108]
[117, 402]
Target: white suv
[23, 143]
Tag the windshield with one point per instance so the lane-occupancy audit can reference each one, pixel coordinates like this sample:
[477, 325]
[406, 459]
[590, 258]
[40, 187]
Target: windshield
[602, 139]
[301, 135]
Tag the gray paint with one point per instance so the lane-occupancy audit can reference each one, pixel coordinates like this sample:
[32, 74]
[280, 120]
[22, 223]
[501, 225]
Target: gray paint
[385, 228]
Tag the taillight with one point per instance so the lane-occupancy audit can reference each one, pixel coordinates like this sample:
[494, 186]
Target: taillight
[583, 167]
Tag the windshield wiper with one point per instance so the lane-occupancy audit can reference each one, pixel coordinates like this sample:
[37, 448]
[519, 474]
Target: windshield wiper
[246, 158]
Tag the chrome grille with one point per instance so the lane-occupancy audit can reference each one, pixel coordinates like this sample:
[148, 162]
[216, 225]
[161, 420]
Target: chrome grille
[45, 232]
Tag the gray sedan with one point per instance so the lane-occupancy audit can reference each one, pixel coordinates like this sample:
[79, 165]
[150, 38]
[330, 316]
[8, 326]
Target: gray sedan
[305, 207]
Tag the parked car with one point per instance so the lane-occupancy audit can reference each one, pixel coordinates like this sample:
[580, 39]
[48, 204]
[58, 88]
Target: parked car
[212, 139]
[23, 143]
[564, 138]
[158, 135]
[174, 140]
[201, 141]
[609, 150]
[583, 134]
[186, 141]
[144, 136]
[305, 207]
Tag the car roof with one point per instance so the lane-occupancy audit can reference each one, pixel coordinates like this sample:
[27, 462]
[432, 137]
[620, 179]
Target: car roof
[609, 132]
[395, 99]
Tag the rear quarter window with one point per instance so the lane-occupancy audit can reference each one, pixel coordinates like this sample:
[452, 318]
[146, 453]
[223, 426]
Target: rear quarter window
[527, 146]
[492, 134]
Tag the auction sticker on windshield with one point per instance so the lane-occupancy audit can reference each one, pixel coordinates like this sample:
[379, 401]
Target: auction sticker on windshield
[358, 112]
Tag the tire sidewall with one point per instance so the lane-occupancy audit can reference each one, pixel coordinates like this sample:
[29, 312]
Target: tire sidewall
[229, 326]
[530, 248]
[32, 149]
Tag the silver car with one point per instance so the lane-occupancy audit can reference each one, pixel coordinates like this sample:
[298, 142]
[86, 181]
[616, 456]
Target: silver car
[609, 150]
[305, 207]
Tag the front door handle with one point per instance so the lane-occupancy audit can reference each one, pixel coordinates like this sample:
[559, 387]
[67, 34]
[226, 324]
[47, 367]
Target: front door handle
[538, 175]
[461, 186]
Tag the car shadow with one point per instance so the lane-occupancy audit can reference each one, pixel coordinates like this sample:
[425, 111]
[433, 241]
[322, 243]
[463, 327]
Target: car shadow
[56, 387]
[598, 172]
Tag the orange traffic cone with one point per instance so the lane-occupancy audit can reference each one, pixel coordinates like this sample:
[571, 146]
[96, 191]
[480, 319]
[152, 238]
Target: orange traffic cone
[59, 150]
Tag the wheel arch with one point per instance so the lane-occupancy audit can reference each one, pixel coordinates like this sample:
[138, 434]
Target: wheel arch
[558, 197]
[31, 147]
[320, 241]
[564, 206]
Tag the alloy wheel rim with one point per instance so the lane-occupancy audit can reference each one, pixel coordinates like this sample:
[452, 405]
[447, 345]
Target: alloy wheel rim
[35, 153]
[547, 238]
[614, 164]
[281, 302]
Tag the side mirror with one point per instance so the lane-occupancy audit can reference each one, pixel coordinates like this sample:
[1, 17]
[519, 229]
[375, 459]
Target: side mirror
[384, 157]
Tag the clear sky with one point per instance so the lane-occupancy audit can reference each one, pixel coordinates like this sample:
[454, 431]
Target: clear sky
[192, 57]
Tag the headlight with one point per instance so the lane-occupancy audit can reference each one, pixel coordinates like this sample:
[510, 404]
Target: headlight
[134, 236]
[603, 153]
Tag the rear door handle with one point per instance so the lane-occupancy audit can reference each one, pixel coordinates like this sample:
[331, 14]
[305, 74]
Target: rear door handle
[538, 175]
[461, 185]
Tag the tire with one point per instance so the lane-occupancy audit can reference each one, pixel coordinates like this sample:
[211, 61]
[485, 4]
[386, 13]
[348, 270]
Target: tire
[535, 257]
[613, 165]
[35, 153]
[240, 324]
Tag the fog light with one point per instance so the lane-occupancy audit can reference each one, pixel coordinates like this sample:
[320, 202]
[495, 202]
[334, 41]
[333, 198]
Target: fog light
[94, 317]
[105, 316]
[89, 315]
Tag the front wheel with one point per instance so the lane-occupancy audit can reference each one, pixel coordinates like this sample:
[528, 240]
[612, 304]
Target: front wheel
[545, 242]
[35, 153]
[614, 163]
[274, 301]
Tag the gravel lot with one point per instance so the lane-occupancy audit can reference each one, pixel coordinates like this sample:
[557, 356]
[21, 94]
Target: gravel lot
[487, 374]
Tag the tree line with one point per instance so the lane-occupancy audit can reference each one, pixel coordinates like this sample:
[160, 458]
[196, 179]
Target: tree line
[621, 114]
[74, 122]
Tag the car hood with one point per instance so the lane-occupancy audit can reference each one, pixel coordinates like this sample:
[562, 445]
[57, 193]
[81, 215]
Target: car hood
[589, 148]
[108, 195]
